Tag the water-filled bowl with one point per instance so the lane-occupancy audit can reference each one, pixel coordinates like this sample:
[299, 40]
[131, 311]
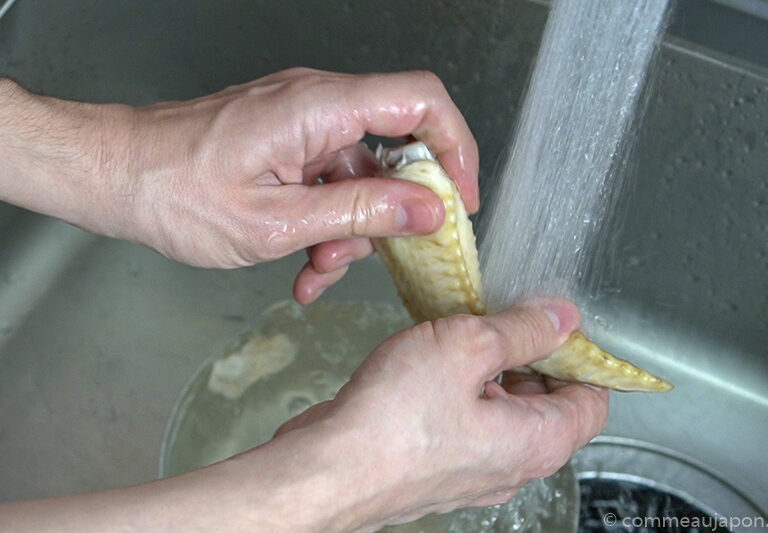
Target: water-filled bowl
[230, 406]
[98, 337]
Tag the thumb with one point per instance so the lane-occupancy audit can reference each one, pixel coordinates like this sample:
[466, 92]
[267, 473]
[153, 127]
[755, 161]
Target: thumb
[531, 331]
[362, 207]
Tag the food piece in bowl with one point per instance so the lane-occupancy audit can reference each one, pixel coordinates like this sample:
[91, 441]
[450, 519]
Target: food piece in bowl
[258, 358]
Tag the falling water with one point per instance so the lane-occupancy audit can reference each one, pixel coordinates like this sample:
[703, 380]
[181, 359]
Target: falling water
[560, 178]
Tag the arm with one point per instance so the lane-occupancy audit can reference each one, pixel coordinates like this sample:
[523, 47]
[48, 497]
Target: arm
[229, 179]
[54, 158]
[421, 427]
[292, 483]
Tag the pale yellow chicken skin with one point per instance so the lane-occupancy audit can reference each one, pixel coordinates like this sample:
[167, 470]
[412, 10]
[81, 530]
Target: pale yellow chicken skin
[438, 275]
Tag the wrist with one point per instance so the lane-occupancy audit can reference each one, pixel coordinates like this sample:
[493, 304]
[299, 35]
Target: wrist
[59, 156]
[303, 481]
[310, 479]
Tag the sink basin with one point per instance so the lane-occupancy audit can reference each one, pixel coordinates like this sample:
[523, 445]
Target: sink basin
[97, 337]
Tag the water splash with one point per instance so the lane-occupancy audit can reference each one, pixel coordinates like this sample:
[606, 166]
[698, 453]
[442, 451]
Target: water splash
[207, 427]
[560, 177]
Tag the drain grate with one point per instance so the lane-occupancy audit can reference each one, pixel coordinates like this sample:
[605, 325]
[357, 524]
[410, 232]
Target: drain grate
[620, 506]
[629, 486]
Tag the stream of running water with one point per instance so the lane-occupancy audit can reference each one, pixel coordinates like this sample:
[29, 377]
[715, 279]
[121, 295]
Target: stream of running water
[563, 171]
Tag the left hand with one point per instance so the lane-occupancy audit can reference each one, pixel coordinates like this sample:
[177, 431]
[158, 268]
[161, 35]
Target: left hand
[230, 179]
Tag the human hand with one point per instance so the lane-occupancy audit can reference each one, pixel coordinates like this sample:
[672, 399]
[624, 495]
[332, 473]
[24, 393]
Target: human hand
[421, 427]
[229, 179]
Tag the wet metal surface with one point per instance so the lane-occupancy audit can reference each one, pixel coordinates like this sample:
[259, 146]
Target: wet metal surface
[97, 336]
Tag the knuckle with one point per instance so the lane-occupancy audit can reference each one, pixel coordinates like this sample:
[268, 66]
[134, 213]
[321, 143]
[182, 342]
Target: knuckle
[548, 443]
[487, 337]
[467, 327]
[300, 72]
[552, 461]
[592, 418]
[270, 237]
[470, 335]
[531, 330]
[430, 78]
[552, 458]
[294, 82]
[297, 84]
[276, 245]
[575, 426]
[358, 218]
[434, 85]
[569, 444]
[425, 332]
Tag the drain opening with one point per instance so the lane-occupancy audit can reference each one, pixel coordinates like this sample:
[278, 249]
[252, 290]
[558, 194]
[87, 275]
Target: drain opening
[629, 486]
[615, 505]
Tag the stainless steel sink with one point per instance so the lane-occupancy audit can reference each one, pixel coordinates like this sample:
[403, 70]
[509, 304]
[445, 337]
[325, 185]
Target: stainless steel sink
[97, 337]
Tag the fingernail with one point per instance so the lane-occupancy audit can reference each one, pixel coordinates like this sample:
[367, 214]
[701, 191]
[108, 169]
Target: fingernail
[563, 314]
[344, 261]
[317, 292]
[415, 216]
[553, 317]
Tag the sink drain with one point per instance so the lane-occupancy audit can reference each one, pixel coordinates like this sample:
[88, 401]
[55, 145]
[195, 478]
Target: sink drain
[635, 487]
[617, 505]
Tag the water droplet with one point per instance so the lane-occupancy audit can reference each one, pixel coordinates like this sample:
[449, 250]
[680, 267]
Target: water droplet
[601, 322]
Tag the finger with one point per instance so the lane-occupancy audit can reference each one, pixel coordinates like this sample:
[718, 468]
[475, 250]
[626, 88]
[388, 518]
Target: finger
[582, 410]
[328, 262]
[524, 383]
[552, 426]
[393, 105]
[554, 383]
[350, 162]
[310, 283]
[354, 162]
[526, 387]
[530, 332]
[417, 103]
[332, 255]
[298, 216]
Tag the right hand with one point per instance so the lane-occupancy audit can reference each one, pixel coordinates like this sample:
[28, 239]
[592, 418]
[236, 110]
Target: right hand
[425, 428]
[421, 427]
